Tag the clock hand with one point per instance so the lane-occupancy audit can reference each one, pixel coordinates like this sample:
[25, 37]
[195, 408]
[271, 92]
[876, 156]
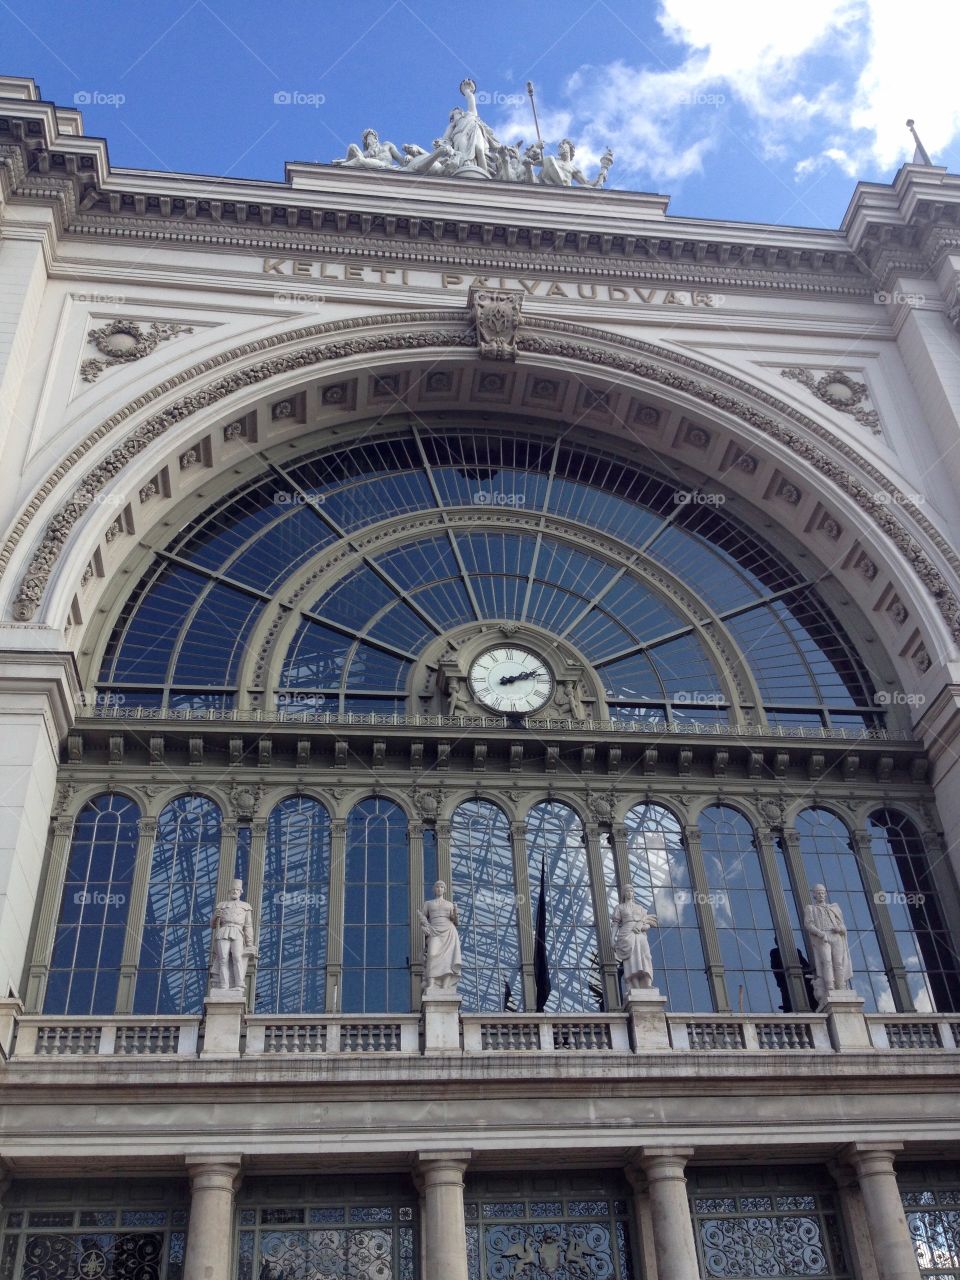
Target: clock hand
[521, 675]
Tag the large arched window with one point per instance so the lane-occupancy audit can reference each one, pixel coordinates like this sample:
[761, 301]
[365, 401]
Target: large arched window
[908, 891]
[661, 879]
[181, 635]
[567, 966]
[181, 896]
[88, 944]
[291, 965]
[741, 910]
[376, 923]
[830, 859]
[485, 894]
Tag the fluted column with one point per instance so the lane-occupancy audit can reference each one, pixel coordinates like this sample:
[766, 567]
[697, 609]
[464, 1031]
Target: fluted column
[673, 1242]
[338, 859]
[213, 1182]
[445, 1237]
[892, 1245]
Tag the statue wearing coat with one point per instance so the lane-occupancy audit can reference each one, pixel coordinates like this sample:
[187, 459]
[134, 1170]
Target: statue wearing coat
[825, 927]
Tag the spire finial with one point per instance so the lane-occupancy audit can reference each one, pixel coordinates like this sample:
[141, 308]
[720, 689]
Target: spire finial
[920, 154]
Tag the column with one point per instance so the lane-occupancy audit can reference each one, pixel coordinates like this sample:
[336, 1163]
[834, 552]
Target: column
[793, 974]
[59, 853]
[133, 939]
[608, 963]
[708, 929]
[418, 891]
[445, 1237]
[673, 1243]
[892, 1245]
[338, 860]
[213, 1181]
[525, 908]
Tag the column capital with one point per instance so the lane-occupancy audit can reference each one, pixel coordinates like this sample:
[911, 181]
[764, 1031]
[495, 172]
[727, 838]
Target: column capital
[435, 1162]
[871, 1157]
[652, 1164]
[213, 1172]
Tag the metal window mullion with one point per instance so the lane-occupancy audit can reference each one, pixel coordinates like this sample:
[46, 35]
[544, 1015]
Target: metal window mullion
[886, 935]
[253, 892]
[783, 927]
[521, 877]
[708, 928]
[338, 857]
[136, 915]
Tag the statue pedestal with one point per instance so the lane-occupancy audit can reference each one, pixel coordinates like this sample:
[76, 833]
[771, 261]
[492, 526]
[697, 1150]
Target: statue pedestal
[223, 1020]
[10, 1011]
[441, 1021]
[845, 1020]
[647, 1010]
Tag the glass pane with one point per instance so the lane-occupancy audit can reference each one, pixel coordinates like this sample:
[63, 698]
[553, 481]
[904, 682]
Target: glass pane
[376, 942]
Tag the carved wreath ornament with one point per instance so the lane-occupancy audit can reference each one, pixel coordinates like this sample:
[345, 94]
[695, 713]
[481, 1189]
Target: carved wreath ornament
[838, 390]
[121, 341]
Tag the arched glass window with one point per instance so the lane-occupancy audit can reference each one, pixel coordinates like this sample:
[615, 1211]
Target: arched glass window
[88, 944]
[741, 911]
[912, 900]
[566, 949]
[661, 879]
[485, 893]
[376, 922]
[182, 893]
[829, 859]
[294, 911]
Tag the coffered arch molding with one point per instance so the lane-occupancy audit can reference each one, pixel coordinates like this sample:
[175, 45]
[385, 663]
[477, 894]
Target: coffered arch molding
[888, 554]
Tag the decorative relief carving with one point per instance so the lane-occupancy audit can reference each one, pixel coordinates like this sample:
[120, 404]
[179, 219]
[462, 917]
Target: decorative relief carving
[496, 318]
[551, 342]
[953, 312]
[838, 390]
[121, 341]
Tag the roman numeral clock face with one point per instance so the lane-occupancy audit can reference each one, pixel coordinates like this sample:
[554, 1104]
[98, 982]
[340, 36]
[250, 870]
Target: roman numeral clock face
[509, 679]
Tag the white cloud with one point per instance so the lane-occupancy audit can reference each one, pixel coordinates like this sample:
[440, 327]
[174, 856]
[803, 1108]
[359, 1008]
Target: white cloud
[827, 84]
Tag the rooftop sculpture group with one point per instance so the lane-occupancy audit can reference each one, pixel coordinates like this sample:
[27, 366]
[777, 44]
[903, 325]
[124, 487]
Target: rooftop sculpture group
[468, 148]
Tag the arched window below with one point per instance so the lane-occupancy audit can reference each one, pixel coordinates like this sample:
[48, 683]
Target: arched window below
[294, 911]
[88, 944]
[181, 895]
[486, 898]
[567, 967]
[908, 891]
[376, 925]
[661, 880]
[741, 911]
[829, 859]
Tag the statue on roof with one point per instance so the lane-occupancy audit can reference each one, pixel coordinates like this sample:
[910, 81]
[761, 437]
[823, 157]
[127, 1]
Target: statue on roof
[469, 148]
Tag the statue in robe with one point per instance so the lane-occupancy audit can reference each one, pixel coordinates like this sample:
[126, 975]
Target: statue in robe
[631, 924]
[373, 155]
[443, 963]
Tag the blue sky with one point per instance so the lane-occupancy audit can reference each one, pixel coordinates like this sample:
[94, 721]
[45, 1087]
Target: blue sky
[744, 109]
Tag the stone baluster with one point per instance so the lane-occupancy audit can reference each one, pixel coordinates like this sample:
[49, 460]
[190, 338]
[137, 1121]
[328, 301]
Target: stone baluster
[445, 1237]
[892, 1246]
[213, 1182]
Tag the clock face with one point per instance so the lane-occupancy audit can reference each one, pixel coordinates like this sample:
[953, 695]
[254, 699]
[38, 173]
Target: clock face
[511, 679]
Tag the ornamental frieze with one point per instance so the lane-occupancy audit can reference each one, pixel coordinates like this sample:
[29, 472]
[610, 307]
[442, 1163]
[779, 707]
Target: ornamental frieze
[629, 356]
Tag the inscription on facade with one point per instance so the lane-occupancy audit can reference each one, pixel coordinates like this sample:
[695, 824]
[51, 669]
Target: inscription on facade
[461, 282]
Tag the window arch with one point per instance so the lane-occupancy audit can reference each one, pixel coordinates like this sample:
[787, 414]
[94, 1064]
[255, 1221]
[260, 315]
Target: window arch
[741, 910]
[294, 911]
[913, 902]
[181, 895]
[660, 875]
[484, 890]
[830, 859]
[88, 943]
[376, 923]
[567, 966]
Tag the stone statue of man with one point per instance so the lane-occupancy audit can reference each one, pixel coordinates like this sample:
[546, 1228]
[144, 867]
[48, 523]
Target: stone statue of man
[825, 927]
[232, 941]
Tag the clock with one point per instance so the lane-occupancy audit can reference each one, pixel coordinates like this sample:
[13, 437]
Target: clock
[510, 680]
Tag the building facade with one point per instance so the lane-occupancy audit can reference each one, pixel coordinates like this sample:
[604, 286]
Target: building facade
[376, 528]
